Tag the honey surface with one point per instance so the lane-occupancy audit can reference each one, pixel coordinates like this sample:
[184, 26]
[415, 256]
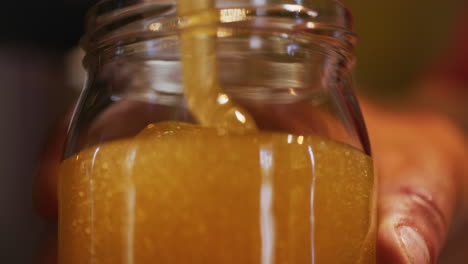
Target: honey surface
[178, 193]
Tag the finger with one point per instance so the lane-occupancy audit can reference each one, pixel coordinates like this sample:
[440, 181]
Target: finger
[45, 187]
[419, 161]
[415, 207]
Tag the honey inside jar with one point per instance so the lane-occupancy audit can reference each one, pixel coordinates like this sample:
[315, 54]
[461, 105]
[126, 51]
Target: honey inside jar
[221, 190]
[179, 193]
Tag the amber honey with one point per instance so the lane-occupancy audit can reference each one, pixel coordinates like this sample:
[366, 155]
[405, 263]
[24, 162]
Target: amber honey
[178, 193]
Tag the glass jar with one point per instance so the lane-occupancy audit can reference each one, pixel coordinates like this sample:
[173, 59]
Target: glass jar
[220, 133]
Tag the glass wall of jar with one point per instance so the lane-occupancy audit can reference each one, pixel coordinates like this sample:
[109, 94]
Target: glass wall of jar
[217, 132]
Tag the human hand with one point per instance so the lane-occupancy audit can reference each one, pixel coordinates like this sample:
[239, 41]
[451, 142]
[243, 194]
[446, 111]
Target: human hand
[420, 160]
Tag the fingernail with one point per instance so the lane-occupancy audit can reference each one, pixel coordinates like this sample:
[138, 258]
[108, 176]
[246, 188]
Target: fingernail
[414, 246]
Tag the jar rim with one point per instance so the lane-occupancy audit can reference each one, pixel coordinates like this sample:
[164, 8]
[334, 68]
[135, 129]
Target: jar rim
[334, 11]
[121, 21]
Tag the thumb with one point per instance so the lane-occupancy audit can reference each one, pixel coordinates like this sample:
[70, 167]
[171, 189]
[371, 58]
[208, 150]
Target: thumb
[420, 160]
[416, 208]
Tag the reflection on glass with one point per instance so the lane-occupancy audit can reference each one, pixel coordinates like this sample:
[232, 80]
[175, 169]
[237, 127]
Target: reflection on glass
[159, 167]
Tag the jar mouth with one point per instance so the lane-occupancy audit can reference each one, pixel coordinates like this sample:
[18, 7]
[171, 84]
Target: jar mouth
[112, 23]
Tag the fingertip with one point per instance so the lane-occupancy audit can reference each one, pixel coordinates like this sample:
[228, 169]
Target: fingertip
[413, 245]
[412, 229]
[388, 249]
[402, 244]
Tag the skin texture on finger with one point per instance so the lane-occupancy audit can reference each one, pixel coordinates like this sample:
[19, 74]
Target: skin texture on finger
[420, 161]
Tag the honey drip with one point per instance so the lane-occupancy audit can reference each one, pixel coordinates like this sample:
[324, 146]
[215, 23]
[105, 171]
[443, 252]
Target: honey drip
[207, 100]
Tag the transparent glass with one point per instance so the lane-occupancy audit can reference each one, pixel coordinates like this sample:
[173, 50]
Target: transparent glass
[224, 132]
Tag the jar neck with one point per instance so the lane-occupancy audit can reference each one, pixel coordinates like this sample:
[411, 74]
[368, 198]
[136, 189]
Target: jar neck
[271, 54]
[117, 23]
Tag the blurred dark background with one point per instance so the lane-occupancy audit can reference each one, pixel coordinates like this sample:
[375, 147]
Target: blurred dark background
[399, 39]
[52, 25]
[35, 39]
